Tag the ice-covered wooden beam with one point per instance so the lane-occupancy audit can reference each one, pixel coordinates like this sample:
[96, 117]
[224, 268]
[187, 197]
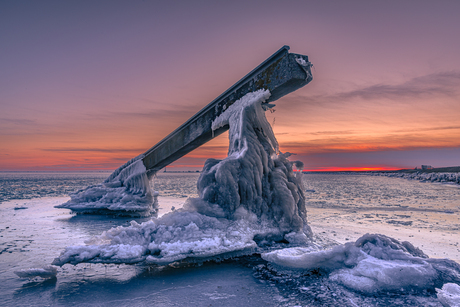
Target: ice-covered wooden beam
[282, 73]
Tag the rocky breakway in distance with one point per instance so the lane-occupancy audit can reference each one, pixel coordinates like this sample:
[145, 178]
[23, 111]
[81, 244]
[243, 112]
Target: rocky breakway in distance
[441, 177]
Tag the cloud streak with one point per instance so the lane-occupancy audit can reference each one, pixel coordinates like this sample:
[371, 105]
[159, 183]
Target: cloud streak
[445, 83]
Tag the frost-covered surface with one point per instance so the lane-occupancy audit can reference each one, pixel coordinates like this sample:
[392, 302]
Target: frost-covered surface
[449, 295]
[426, 177]
[374, 263]
[33, 237]
[48, 271]
[126, 191]
[251, 196]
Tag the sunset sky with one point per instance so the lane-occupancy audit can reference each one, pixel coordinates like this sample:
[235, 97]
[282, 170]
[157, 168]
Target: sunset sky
[91, 84]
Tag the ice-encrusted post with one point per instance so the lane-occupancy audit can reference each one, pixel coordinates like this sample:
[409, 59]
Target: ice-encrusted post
[127, 190]
[253, 179]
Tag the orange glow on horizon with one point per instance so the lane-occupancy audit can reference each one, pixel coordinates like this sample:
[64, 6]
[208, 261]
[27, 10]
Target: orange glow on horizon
[353, 169]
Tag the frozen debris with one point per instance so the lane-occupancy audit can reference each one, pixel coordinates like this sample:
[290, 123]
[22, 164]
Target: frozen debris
[127, 191]
[21, 208]
[48, 271]
[374, 263]
[449, 295]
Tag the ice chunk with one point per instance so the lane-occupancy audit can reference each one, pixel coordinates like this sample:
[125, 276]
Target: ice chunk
[375, 275]
[306, 66]
[340, 256]
[374, 263]
[449, 295]
[126, 191]
[48, 271]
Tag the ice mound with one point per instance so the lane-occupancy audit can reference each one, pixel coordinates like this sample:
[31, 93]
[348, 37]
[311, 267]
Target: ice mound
[126, 191]
[374, 263]
[254, 176]
[449, 295]
[48, 271]
[175, 236]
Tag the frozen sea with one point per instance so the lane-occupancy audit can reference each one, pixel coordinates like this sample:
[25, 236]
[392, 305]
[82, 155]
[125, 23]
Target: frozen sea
[341, 208]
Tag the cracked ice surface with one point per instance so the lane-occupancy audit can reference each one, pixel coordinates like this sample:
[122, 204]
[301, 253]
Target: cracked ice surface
[252, 195]
[126, 191]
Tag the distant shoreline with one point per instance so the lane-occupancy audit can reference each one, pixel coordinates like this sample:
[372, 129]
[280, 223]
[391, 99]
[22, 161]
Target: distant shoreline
[450, 169]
